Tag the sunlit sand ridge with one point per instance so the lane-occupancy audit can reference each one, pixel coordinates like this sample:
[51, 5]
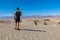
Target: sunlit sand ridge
[30, 29]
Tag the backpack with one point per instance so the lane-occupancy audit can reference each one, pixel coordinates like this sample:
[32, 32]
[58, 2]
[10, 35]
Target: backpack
[17, 15]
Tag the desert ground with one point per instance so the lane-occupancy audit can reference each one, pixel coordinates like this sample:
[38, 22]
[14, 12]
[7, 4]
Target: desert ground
[31, 29]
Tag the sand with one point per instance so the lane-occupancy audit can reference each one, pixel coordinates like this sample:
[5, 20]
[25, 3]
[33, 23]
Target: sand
[30, 31]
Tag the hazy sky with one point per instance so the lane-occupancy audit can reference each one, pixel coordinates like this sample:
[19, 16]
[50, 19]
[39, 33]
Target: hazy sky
[30, 7]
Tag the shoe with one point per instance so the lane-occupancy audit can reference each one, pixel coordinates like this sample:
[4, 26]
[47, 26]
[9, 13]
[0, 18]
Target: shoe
[18, 29]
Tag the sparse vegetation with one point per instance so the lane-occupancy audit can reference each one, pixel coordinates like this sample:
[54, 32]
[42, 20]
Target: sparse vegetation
[45, 23]
[58, 22]
[35, 22]
[46, 19]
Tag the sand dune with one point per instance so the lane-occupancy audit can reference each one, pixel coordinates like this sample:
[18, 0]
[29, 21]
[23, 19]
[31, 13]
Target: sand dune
[29, 30]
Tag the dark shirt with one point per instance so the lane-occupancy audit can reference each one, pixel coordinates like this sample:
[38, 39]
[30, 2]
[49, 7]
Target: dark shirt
[17, 14]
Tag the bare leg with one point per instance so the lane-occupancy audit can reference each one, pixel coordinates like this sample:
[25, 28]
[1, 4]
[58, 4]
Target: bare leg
[15, 25]
[18, 25]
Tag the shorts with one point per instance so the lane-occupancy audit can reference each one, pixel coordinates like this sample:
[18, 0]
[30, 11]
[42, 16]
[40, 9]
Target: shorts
[17, 20]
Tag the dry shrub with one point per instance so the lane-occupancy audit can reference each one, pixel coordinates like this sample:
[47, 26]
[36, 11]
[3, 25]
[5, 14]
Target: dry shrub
[58, 22]
[45, 23]
[46, 19]
[36, 21]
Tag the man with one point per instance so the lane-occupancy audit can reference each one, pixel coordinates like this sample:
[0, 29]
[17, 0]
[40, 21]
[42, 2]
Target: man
[17, 15]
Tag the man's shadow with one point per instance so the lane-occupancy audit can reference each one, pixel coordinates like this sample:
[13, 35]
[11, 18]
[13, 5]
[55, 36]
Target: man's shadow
[32, 30]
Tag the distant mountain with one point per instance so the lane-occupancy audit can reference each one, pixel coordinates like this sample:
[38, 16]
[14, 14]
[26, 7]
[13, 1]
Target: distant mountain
[33, 16]
[36, 16]
[7, 17]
